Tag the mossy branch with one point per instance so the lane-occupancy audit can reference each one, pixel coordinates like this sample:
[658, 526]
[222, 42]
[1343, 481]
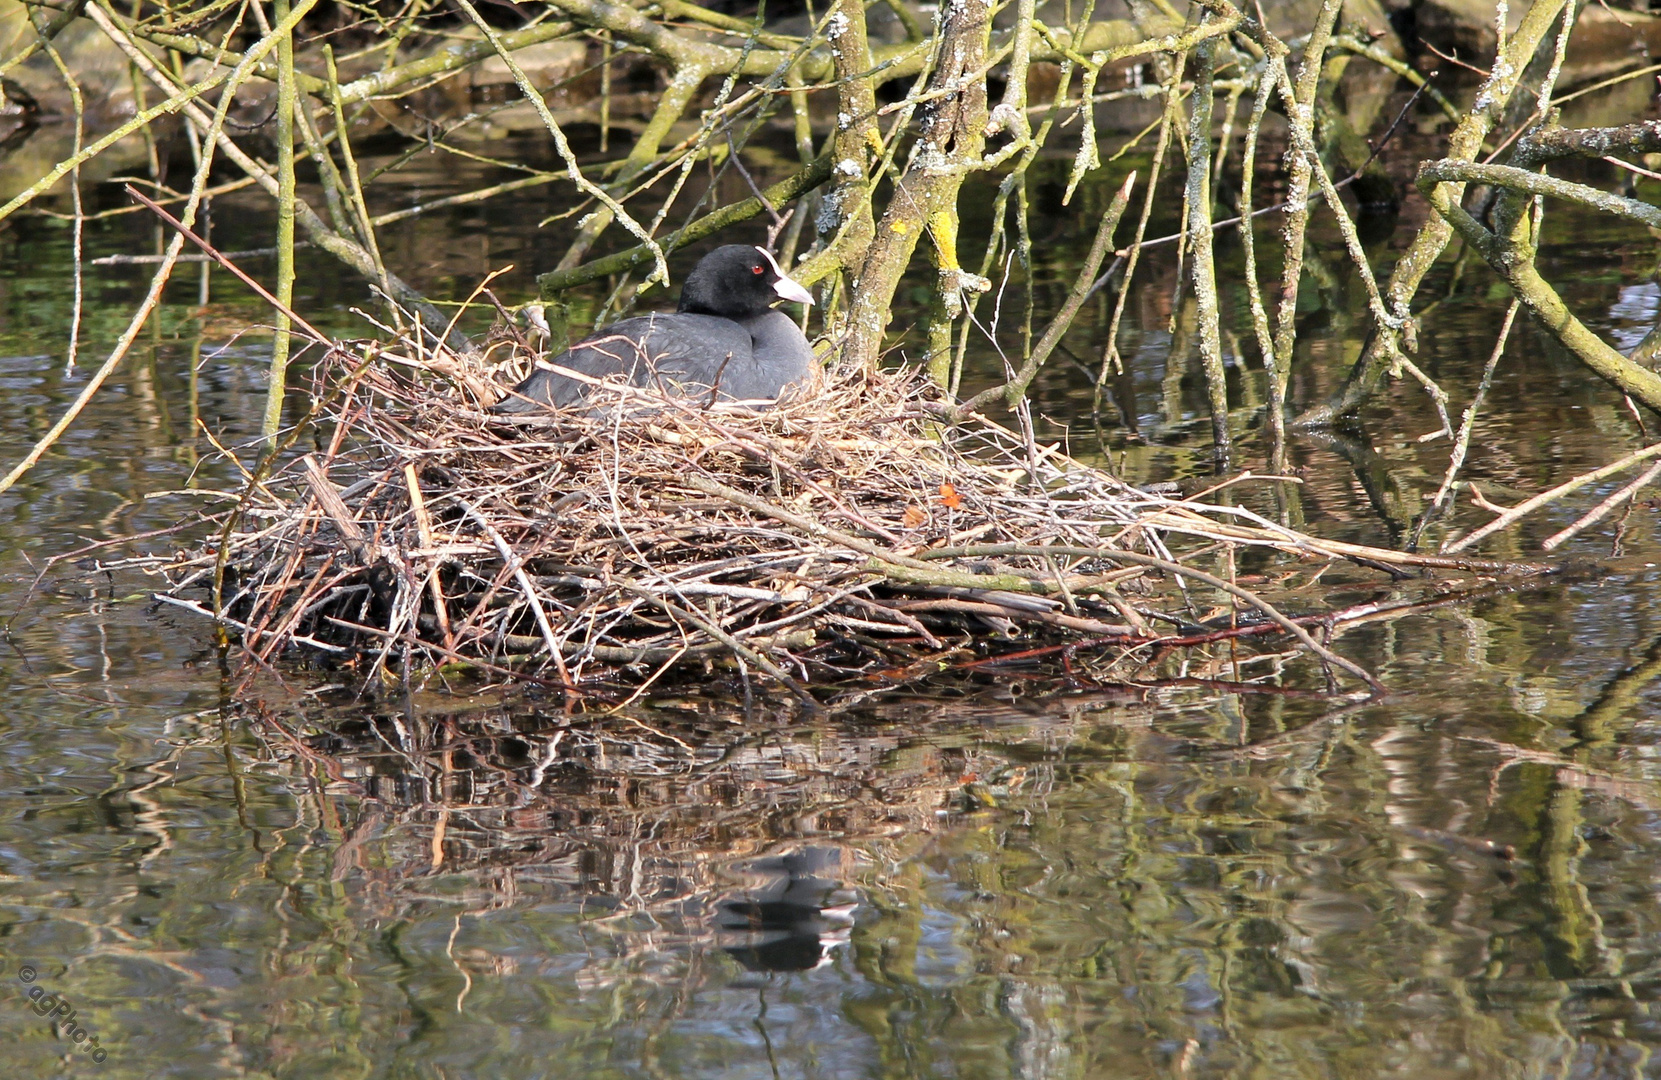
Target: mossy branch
[1511, 255]
[1463, 145]
[1533, 183]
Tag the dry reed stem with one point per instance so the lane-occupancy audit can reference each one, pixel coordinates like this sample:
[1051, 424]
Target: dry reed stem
[827, 539]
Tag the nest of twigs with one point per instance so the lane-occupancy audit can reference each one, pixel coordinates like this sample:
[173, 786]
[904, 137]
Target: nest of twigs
[852, 535]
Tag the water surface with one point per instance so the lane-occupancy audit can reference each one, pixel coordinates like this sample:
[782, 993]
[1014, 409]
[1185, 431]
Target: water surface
[266, 877]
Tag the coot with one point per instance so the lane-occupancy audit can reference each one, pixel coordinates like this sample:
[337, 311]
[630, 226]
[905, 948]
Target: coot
[724, 342]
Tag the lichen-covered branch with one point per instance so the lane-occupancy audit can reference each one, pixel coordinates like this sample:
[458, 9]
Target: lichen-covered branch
[1547, 144]
[1301, 115]
[846, 220]
[949, 145]
[1463, 145]
[1511, 254]
[1202, 267]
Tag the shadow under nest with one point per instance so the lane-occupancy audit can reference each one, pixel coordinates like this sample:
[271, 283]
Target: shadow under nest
[848, 536]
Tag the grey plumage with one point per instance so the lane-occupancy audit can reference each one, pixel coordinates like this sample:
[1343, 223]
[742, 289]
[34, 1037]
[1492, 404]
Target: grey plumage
[724, 344]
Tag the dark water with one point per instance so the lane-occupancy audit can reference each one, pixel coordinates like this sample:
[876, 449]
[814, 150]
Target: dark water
[990, 880]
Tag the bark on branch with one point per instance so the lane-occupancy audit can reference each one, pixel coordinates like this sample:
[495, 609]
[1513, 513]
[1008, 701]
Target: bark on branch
[1511, 251]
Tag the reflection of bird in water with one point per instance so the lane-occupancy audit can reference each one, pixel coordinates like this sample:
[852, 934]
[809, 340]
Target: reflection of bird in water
[793, 920]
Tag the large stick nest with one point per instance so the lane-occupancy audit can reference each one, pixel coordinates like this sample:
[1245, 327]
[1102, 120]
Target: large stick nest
[849, 535]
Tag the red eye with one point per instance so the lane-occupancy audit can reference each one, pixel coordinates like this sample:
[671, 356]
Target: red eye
[757, 269]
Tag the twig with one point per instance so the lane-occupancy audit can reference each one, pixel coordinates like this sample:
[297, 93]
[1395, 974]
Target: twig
[223, 260]
[1467, 424]
[1602, 509]
[1522, 509]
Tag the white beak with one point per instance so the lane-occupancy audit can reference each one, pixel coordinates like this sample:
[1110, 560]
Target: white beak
[792, 290]
[784, 286]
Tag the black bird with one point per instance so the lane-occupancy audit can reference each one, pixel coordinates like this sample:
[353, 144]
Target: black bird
[724, 343]
[788, 922]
